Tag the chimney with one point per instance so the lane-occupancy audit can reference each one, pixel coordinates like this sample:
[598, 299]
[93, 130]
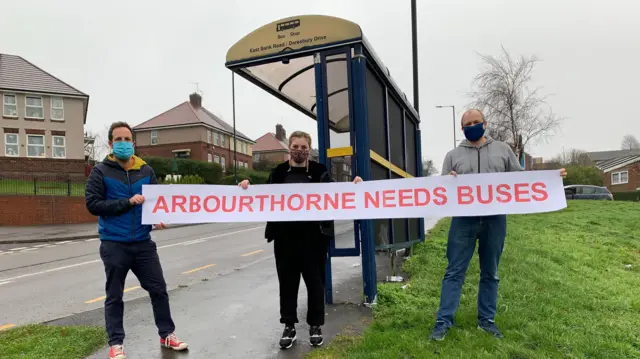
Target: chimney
[281, 134]
[195, 100]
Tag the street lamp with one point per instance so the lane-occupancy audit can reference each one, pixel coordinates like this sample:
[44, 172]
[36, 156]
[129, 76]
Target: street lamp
[454, 122]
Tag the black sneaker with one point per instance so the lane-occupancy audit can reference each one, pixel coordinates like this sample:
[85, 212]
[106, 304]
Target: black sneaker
[491, 328]
[315, 336]
[440, 331]
[288, 337]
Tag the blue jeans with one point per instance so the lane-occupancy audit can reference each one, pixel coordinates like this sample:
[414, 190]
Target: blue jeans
[490, 232]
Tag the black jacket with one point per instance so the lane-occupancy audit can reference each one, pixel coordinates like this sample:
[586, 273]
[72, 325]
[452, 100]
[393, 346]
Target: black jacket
[319, 174]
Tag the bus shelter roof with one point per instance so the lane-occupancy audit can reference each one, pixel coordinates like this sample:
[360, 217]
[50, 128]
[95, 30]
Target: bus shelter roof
[278, 57]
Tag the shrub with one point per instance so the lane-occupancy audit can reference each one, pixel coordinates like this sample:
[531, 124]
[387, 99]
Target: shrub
[189, 179]
[256, 177]
[627, 196]
[586, 175]
[211, 173]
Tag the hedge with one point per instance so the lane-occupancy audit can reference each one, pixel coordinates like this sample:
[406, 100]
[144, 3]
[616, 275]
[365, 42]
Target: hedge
[189, 179]
[256, 177]
[627, 196]
[210, 172]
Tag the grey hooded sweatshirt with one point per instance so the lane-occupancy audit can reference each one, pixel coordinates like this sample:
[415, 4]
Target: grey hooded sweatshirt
[491, 156]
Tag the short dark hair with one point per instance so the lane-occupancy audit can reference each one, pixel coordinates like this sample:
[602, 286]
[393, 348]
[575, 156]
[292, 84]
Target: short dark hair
[118, 124]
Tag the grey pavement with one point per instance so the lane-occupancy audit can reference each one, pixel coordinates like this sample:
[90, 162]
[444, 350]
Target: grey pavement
[223, 289]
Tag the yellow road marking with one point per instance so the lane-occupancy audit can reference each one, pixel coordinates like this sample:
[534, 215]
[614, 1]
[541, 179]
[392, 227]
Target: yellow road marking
[252, 253]
[104, 297]
[197, 269]
[6, 326]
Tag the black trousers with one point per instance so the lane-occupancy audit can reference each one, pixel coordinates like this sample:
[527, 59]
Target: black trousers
[304, 257]
[142, 259]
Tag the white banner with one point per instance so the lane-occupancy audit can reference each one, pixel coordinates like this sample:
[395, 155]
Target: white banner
[439, 196]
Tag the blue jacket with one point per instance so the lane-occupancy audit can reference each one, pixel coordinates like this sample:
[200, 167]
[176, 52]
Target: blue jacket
[107, 195]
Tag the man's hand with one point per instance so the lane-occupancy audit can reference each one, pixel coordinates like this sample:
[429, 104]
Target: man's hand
[453, 173]
[160, 226]
[563, 173]
[137, 199]
[244, 184]
[357, 180]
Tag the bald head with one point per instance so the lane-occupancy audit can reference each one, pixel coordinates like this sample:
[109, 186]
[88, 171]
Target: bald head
[472, 117]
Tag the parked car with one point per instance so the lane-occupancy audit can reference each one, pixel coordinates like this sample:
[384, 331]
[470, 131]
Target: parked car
[587, 192]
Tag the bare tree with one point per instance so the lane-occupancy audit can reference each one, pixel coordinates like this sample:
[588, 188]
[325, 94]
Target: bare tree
[428, 169]
[516, 114]
[573, 157]
[630, 142]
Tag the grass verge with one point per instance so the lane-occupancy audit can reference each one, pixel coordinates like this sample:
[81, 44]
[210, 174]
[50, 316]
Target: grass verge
[42, 341]
[570, 288]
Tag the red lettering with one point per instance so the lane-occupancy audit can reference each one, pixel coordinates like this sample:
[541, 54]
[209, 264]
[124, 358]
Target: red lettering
[540, 190]
[313, 199]
[333, 201]
[387, 197]
[274, 202]
[225, 207]
[504, 194]
[441, 196]
[262, 198]
[489, 199]
[300, 202]
[465, 192]
[194, 204]
[348, 200]
[178, 201]
[245, 201]
[161, 203]
[206, 204]
[521, 189]
[416, 194]
[405, 194]
[370, 201]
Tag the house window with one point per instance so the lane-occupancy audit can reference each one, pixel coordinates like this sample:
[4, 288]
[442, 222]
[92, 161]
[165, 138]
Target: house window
[59, 150]
[33, 107]
[57, 109]
[209, 137]
[209, 157]
[11, 147]
[35, 146]
[216, 159]
[256, 156]
[216, 139]
[223, 163]
[620, 177]
[10, 108]
[222, 137]
[154, 137]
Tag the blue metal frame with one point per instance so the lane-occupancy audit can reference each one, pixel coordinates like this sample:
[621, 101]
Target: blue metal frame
[418, 134]
[359, 64]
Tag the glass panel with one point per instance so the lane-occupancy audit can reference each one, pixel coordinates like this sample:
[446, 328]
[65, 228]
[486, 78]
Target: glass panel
[376, 114]
[9, 99]
[615, 178]
[11, 138]
[58, 141]
[35, 112]
[11, 150]
[35, 151]
[57, 114]
[338, 92]
[395, 133]
[35, 140]
[381, 227]
[400, 234]
[414, 229]
[624, 177]
[588, 190]
[10, 110]
[34, 101]
[57, 103]
[59, 152]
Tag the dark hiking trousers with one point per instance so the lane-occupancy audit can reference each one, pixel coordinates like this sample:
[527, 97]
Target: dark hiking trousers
[298, 257]
[142, 259]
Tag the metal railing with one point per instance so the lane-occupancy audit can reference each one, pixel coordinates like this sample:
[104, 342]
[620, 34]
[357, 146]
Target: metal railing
[34, 185]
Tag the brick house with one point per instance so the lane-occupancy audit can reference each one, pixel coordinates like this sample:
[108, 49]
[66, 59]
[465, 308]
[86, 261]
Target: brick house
[191, 131]
[621, 174]
[272, 147]
[42, 122]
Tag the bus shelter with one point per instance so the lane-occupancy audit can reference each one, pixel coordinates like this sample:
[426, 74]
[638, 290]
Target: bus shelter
[324, 67]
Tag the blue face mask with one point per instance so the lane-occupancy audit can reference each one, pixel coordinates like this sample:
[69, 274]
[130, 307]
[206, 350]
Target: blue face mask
[123, 150]
[475, 132]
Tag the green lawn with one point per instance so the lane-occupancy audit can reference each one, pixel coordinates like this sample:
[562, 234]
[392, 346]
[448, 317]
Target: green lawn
[566, 291]
[41, 341]
[42, 187]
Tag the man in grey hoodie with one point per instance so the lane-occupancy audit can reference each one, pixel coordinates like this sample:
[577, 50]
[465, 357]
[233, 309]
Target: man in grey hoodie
[477, 154]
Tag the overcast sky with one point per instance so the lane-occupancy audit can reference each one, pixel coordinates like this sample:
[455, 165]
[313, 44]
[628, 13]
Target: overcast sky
[139, 58]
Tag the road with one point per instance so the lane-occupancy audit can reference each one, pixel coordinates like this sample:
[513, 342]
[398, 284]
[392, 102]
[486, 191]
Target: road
[42, 282]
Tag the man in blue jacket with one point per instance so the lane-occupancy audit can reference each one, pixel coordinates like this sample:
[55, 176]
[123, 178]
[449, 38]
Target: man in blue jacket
[114, 193]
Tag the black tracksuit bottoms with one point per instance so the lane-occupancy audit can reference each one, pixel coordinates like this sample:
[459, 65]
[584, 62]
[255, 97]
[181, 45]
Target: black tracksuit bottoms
[295, 258]
[142, 259]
